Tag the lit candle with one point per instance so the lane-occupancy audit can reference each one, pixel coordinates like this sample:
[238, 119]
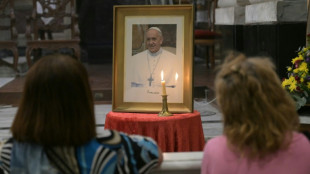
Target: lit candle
[163, 83]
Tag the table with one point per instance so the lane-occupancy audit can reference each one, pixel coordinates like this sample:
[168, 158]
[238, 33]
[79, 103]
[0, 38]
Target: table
[177, 133]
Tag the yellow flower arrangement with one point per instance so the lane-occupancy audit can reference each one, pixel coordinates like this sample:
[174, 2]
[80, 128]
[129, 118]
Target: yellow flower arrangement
[298, 81]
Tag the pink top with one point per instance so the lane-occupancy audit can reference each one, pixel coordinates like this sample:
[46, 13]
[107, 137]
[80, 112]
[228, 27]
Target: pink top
[218, 159]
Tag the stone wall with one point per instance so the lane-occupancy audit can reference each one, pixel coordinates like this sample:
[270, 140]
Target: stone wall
[241, 12]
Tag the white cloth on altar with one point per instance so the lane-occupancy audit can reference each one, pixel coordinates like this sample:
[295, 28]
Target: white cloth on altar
[138, 70]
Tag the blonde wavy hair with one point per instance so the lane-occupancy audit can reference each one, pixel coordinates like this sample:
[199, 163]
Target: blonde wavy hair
[258, 114]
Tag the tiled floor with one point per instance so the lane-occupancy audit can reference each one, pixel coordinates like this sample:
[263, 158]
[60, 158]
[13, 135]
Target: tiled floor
[211, 124]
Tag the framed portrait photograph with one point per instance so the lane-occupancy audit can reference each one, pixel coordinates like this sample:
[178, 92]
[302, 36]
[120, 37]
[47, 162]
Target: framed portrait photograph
[152, 56]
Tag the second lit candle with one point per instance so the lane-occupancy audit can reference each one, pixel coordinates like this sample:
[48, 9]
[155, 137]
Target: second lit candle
[163, 83]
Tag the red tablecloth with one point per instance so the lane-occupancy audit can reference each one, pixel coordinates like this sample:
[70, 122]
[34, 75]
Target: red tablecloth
[180, 132]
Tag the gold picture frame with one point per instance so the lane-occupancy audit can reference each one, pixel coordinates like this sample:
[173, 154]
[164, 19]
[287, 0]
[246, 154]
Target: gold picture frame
[176, 25]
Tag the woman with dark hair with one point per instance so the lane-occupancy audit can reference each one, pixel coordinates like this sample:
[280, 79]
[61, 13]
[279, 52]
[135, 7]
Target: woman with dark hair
[260, 123]
[54, 130]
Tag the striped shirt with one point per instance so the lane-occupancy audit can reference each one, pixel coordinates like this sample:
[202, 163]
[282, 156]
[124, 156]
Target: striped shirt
[111, 152]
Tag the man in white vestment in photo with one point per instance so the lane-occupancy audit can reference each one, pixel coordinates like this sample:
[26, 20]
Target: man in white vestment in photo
[146, 67]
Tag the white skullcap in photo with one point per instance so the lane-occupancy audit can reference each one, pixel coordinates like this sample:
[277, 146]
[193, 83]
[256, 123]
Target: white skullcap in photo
[155, 28]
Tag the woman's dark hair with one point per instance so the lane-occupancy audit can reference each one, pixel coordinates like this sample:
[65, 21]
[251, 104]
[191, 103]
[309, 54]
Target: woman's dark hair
[57, 107]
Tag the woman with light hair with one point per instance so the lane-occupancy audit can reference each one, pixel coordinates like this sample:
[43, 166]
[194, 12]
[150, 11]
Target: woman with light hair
[260, 123]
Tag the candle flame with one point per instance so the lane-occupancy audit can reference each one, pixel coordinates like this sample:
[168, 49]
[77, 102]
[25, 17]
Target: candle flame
[162, 75]
[176, 76]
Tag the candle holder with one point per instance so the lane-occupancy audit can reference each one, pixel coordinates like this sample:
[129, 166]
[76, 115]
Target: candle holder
[164, 111]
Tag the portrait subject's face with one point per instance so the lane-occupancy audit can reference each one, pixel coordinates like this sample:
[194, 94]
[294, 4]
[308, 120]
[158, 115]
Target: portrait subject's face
[153, 40]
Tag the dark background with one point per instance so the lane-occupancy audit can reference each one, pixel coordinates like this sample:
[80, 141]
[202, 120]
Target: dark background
[280, 41]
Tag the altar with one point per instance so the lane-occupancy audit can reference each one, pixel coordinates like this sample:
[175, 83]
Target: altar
[177, 133]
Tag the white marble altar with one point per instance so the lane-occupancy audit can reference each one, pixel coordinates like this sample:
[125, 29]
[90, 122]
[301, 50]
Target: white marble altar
[230, 16]
[276, 11]
[232, 3]
[241, 12]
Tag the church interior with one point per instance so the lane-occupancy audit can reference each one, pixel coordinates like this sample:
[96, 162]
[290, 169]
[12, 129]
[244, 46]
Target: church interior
[271, 28]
